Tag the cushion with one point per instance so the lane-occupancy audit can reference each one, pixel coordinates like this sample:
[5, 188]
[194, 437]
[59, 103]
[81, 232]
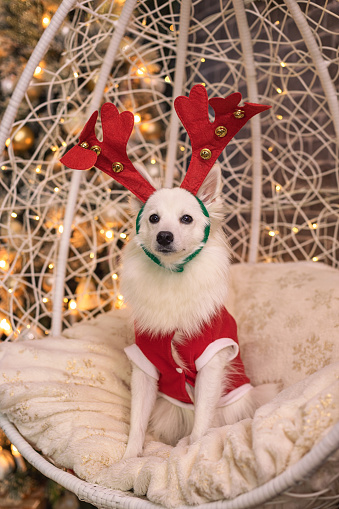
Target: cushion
[69, 395]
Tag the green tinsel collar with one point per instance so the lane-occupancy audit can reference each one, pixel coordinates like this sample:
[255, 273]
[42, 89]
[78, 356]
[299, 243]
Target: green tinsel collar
[180, 266]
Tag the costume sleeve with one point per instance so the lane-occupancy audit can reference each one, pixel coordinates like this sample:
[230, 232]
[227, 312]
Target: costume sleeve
[215, 347]
[135, 355]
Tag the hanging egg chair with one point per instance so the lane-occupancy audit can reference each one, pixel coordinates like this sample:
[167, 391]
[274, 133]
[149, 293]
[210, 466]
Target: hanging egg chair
[65, 396]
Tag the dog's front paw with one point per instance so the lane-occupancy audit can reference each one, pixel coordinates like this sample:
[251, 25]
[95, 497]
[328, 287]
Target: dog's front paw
[132, 451]
[194, 437]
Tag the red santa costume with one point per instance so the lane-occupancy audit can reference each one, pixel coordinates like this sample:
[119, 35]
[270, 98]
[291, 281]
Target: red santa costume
[152, 354]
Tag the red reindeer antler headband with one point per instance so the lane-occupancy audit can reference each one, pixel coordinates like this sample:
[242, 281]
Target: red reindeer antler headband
[208, 139]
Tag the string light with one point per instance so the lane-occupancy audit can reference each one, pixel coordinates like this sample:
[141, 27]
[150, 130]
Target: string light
[295, 229]
[120, 297]
[109, 234]
[279, 117]
[76, 74]
[4, 264]
[123, 235]
[14, 214]
[315, 259]
[171, 28]
[153, 161]
[314, 226]
[61, 229]
[51, 266]
[8, 142]
[168, 79]
[38, 169]
[45, 300]
[38, 71]
[279, 90]
[5, 326]
[283, 64]
[3, 167]
[72, 304]
[137, 118]
[45, 20]
[278, 188]
[115, 276]
[91, 255]
[37, 218]
[56, 189]
[202, 60]
[65, 300]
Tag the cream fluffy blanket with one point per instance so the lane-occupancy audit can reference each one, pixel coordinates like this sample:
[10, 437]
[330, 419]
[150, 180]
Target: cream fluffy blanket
[69, 395]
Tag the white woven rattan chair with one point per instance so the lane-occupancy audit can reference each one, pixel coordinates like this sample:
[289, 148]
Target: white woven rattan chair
[281, 175]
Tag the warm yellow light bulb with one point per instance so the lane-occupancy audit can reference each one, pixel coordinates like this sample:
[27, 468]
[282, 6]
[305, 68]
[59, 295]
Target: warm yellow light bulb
[137, 118]
[46, 20]
[38, 71]
[72, 304]
[114, 276]
[109, 234]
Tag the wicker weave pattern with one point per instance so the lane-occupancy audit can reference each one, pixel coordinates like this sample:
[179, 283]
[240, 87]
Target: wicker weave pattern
[284, 184]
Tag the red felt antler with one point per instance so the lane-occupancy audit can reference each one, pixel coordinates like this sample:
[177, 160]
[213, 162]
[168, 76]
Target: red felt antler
[109, 155]
[208, 139]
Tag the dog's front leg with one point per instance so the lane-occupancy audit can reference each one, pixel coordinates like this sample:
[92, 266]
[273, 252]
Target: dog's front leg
[144, 392]
[208, 390]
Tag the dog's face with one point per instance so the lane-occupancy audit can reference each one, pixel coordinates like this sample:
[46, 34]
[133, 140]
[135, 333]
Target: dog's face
[172, 225]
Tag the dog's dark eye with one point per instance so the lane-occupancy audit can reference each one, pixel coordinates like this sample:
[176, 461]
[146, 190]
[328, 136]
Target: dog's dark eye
[186, 219]
[154, 218]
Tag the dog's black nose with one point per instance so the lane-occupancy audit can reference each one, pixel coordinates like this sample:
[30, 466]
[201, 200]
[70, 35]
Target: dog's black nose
[165, 238]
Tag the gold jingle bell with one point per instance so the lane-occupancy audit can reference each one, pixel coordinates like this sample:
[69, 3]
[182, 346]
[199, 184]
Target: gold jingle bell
[221, 131]
[239, 114]
[84, 144]
[96, 149]
[117, 167]
[205, 153]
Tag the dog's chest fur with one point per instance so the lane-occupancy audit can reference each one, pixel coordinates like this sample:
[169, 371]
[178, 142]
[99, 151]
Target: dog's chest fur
[163, 301]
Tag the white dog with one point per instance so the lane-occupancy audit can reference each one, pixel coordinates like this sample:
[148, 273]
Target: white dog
[187, 372]
[171, 308]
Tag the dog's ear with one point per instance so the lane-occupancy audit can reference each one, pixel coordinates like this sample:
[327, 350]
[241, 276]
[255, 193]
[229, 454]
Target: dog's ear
[211, 188]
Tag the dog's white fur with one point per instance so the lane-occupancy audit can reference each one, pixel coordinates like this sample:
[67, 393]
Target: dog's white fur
[163, 300]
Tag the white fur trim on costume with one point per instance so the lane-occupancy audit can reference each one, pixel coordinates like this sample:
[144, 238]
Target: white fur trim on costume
[134, 354]
[233, 396]
[214, 348]
[187, 406]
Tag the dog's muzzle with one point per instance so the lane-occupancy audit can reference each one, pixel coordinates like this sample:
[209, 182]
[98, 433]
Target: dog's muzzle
[165, 239]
